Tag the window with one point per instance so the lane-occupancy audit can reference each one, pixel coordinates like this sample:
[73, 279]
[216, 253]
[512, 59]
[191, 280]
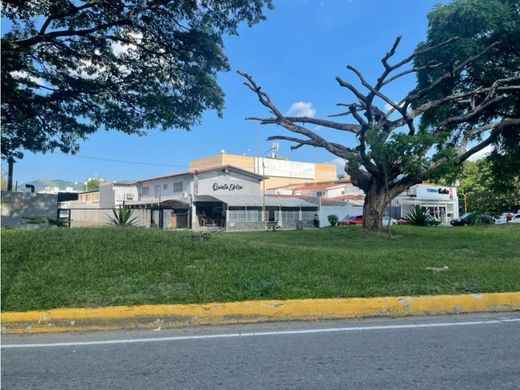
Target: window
[177, 187]
[165, 186]
[146, 191]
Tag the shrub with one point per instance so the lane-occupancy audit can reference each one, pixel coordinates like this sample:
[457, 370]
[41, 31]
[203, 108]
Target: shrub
[419, 217]
[333, 219]
[35, 220]
[122, 216]
[483, 219]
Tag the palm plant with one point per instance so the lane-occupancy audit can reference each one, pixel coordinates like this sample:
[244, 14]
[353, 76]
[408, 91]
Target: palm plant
[418, 216]
[122, 216]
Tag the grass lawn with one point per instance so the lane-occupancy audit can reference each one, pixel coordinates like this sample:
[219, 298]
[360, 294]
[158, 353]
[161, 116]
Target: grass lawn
[43, 269]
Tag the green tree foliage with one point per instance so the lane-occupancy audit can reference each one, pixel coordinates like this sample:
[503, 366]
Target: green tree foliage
[492, 25]
[477, 182]
[70, 68]
[92, 184]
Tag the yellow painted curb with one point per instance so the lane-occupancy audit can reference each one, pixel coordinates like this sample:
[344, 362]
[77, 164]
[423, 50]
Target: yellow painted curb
[148, 316]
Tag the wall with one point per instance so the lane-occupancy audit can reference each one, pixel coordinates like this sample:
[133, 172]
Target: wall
[206, 162]
[164, 193]
[92, 197]
[279, 172]
[220, 183]
[274, 182]
[106, 196]
[112, 195]
[125, 193]
[326, 172]
[243, 162]
[101, 217]
[16, 205]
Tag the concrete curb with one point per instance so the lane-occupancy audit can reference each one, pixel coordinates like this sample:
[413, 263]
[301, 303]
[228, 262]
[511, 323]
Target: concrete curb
[164, 316]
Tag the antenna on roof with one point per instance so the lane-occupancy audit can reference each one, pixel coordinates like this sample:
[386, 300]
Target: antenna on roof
[275, 148]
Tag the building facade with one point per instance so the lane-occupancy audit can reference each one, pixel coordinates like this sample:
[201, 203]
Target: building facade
[342, 198]
[441, 202]
[277, 172]
[226, 198]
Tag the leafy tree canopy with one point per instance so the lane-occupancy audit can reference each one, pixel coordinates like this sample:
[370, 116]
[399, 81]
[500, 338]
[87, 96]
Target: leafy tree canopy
[491, 25]
[70, 68]
[92, 184]
[477, 181]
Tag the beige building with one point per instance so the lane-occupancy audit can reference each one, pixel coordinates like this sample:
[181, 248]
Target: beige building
[89, 196]
[278, 172]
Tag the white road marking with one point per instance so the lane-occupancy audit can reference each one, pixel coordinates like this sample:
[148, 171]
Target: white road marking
[255, 334]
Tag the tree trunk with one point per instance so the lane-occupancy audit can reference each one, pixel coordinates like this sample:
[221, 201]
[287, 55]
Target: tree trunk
[374, 207]
[10, 162]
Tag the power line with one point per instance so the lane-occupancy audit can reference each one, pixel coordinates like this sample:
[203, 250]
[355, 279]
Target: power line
[125, 161]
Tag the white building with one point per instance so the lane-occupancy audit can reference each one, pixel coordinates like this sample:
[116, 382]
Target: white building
[441, 202]
[225, 197]
[114, 194]
[342, 198]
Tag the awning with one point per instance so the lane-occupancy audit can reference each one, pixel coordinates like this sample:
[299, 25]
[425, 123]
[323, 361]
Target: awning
[166, 202]
[254, 201]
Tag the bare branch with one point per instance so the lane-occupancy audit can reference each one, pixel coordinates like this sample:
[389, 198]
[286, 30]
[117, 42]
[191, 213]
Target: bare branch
[391, 52]
[412, 70]
[362, 98]
[423, 51]
[420, 93]
[475, 111]
[373, 90]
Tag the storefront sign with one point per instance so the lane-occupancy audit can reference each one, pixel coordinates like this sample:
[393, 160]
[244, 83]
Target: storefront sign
[227, 187]
[440, 193]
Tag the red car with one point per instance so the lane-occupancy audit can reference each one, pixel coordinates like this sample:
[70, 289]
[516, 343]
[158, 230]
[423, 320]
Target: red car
[351, 220]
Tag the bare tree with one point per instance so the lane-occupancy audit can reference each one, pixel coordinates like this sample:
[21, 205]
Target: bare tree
[393, 152]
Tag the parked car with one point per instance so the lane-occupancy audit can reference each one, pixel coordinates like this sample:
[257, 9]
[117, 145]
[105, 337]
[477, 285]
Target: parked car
[403, 221]
[351, 220]
[393, 221]
[502, 218]
[465, 219]
[515, 218]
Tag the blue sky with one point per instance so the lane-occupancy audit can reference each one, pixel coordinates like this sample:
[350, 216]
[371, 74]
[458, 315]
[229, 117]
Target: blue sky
[295, 55]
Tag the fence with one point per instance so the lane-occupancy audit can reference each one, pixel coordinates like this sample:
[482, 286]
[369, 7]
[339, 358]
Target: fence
[250, 220]
[243, 220]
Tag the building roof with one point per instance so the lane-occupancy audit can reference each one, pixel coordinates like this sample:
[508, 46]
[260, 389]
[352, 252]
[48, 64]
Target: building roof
[311, 186]
[255, 201]
[223, 167]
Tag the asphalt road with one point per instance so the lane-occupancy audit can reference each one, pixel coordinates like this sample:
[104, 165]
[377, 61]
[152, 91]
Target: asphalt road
[448, 352]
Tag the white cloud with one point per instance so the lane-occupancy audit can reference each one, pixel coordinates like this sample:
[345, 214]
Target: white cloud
[481, 153]
[340, 165]
[301, 109]
[388, 107]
